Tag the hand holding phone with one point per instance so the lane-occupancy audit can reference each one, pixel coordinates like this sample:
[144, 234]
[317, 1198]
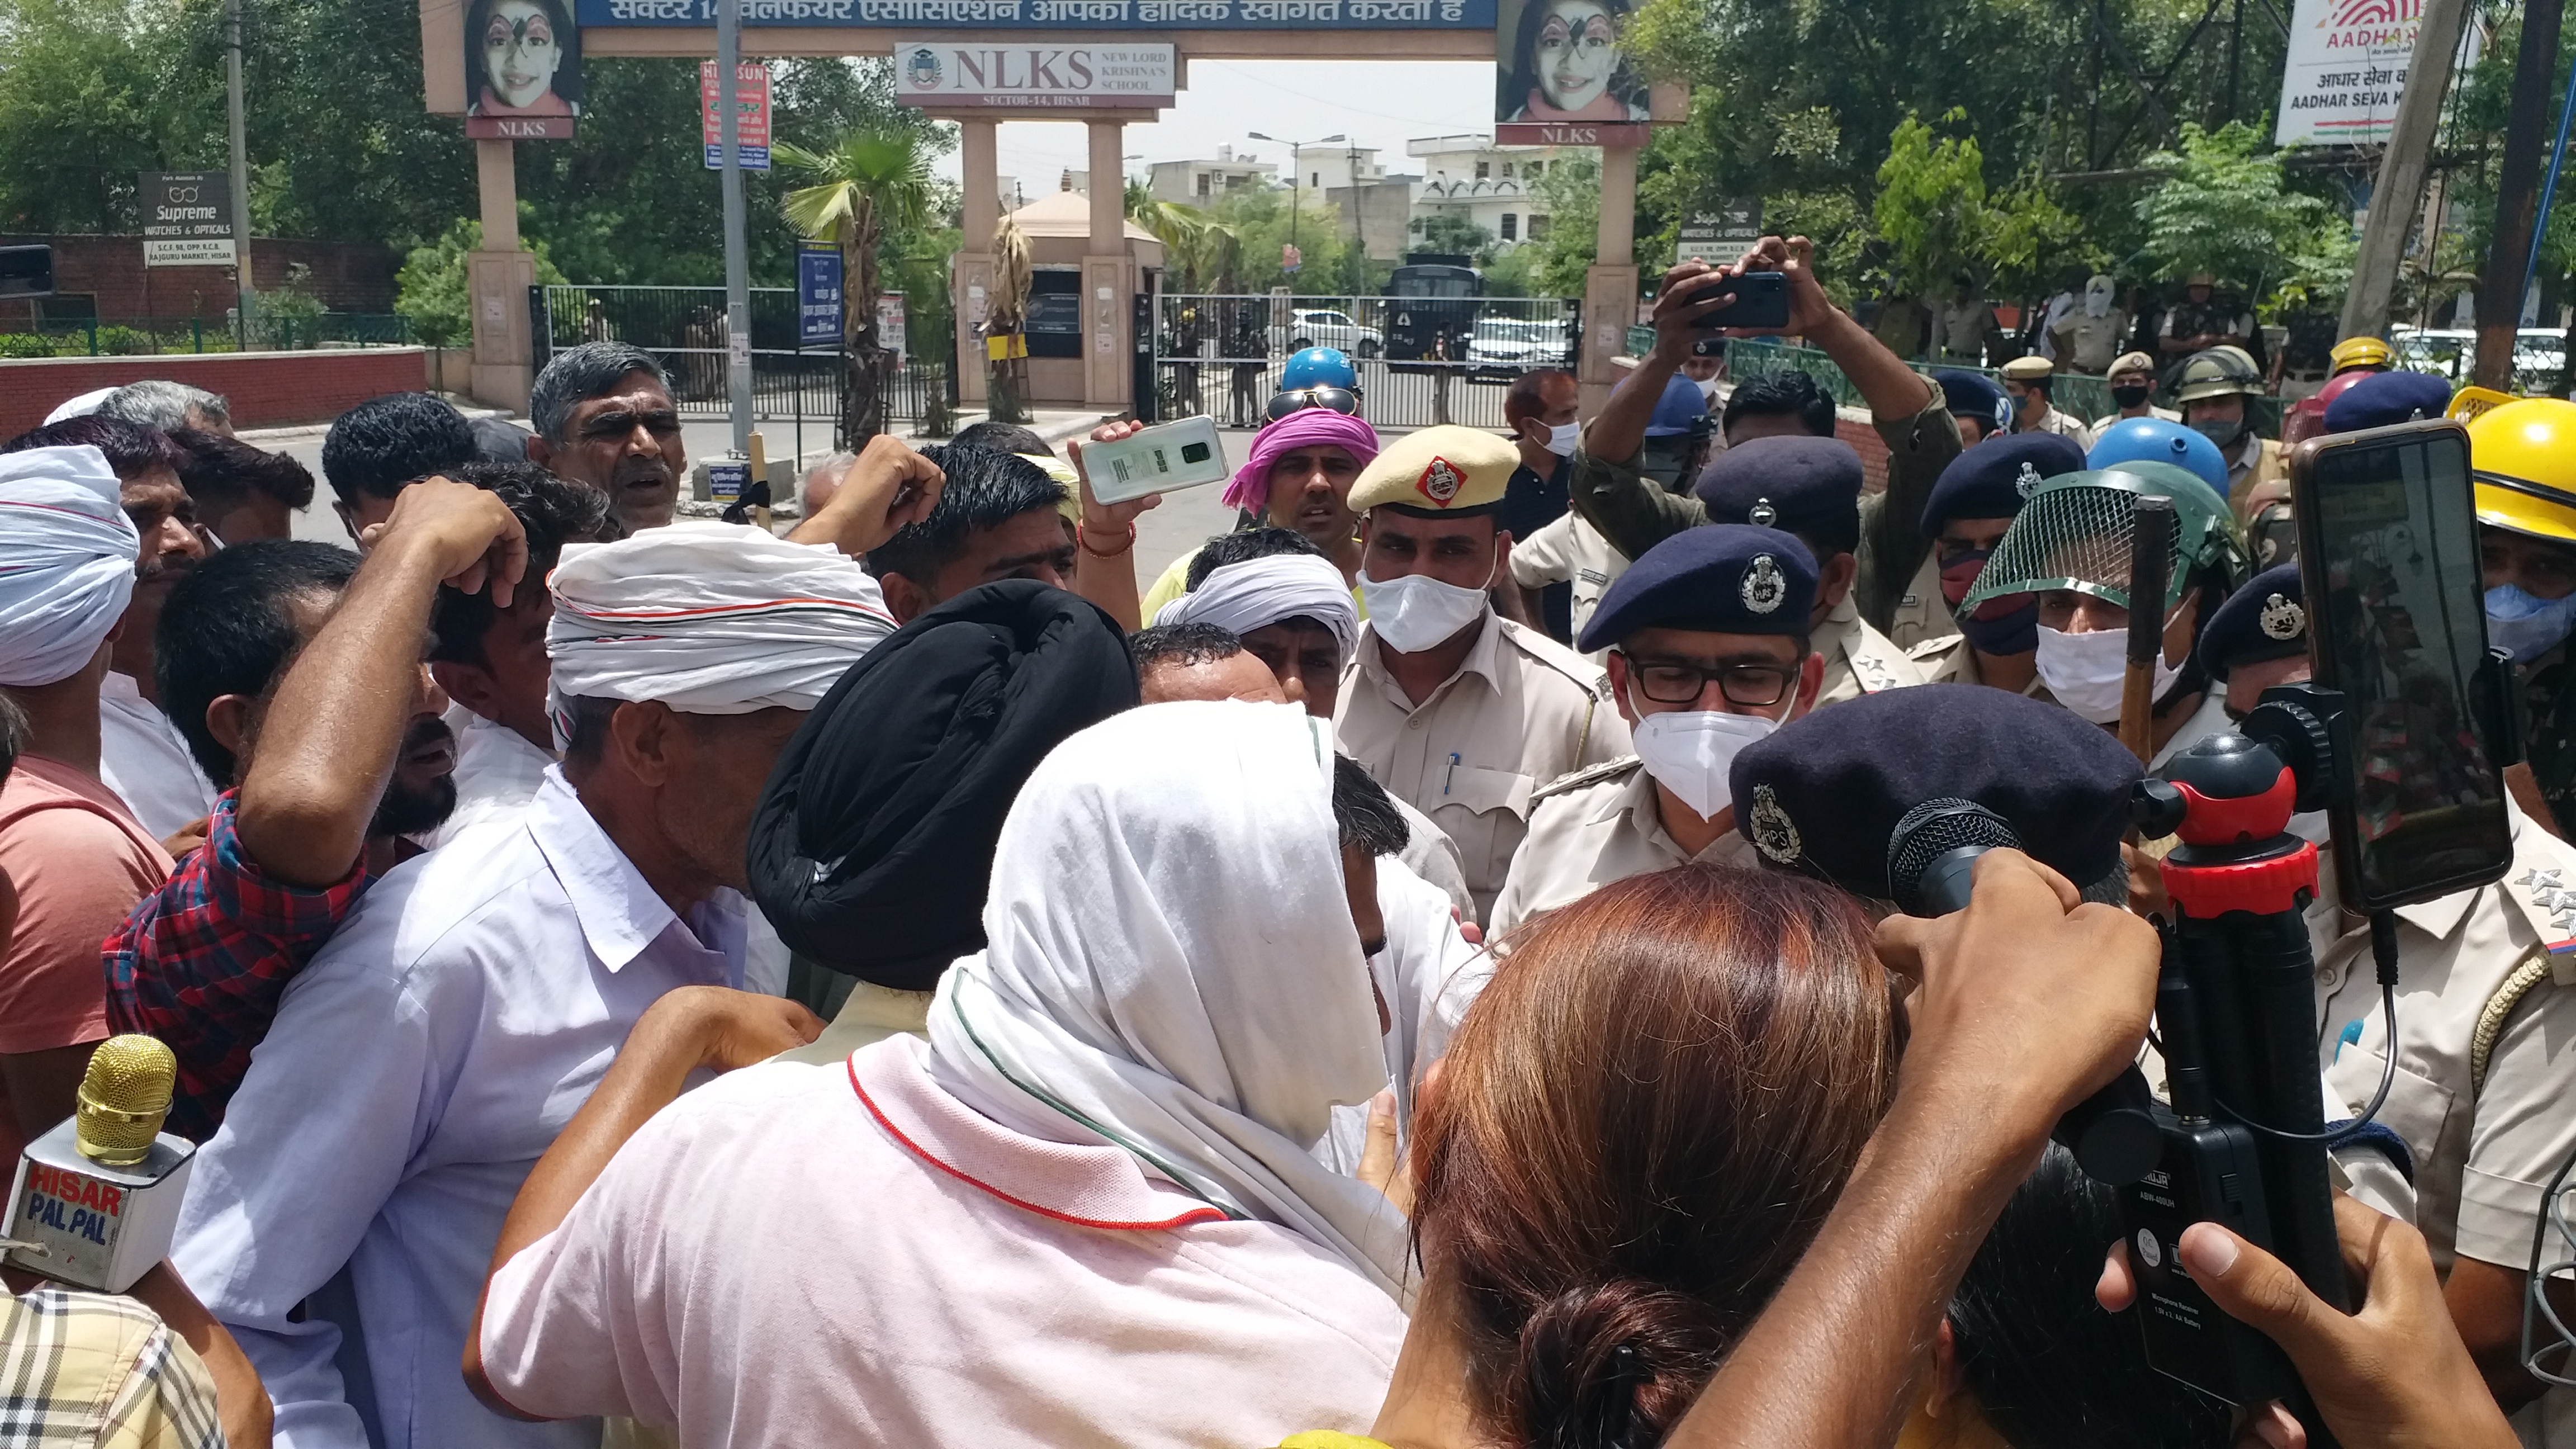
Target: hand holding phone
[1761, 302]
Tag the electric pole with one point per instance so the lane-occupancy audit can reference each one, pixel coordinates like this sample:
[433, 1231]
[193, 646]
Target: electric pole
[2503, 284]
[2399, 188]
[241, 173]
[737, 262]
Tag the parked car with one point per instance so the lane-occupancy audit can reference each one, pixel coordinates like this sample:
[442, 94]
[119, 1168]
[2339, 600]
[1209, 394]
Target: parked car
[2539, 354]
[1503, 348]
[1320, 327]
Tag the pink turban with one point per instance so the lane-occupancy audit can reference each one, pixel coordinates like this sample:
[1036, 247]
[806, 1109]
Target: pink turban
[1303, 428]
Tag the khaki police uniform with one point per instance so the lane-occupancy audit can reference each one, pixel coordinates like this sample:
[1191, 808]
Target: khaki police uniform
[1569, 550]
[2255, 461]
[2059, 423]
[2112, 420]
[1521, 711]
[1593, 827]
[1858, 659]
[1922, 617]
[1952, 661]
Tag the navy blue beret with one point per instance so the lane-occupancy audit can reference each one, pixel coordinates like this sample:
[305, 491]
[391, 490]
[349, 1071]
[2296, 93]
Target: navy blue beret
[1724, 578]
[1822, 795]
[1975, 395]
[1793, 483]
[1991, 479]
[2266, 619]
[2389, 397]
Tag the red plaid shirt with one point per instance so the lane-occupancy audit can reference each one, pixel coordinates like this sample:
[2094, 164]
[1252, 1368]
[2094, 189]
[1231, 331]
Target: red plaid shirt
[202, 962]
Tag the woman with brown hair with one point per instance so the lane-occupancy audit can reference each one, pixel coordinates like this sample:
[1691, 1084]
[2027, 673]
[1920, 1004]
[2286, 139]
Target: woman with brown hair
[1637, 1130]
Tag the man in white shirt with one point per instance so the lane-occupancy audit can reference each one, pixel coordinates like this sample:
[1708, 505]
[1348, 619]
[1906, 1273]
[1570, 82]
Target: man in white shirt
[426, 1058]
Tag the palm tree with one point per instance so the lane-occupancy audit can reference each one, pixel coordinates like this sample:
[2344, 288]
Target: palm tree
[873, 180]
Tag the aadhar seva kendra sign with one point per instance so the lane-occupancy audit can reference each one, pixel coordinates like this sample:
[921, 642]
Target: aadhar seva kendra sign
[2345, 69]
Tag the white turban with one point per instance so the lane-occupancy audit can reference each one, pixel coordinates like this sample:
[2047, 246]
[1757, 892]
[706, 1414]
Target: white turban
[1257, 592]
[66, 562]
[79, 407]
[709, 618]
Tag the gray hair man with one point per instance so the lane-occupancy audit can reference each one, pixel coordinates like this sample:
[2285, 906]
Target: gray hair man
[160, 403]
[605, 416]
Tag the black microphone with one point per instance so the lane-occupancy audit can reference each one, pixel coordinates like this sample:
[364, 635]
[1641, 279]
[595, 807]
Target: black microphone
[1930, 855]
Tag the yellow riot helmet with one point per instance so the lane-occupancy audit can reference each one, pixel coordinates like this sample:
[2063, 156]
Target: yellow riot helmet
[2523, 456]
[2353, 352]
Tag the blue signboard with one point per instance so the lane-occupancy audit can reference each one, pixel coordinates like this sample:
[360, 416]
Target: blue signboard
[1058, 14]
[754, 158]
[818, 296]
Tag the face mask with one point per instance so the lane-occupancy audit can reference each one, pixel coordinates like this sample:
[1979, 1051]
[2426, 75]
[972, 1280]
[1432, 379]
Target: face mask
[1707, 388]
[1417, 611]
[2221, 431]
[1689, 752]
[2130, 397]
[1561, 438]
[2085, 671]
[2525, 625]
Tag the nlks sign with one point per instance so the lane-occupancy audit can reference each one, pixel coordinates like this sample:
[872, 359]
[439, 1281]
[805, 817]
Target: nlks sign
[942, 74]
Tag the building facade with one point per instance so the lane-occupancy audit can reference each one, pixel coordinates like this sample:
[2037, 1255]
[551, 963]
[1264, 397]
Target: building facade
[1495, 187]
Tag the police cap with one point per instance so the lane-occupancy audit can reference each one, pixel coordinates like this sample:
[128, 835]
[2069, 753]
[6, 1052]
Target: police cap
[1807, 486]
[1991, 479]
[1447, 469]
[2381, 399]
[1975, 395]
[2266, 619]
[1720, 578]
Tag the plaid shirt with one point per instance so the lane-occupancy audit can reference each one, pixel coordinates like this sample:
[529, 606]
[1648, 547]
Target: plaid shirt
[96, 1369]
[202, 962]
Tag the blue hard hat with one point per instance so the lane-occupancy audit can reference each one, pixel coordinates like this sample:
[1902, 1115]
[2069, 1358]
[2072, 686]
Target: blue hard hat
[1681, 405]
[1319, 367]
[2154, 440]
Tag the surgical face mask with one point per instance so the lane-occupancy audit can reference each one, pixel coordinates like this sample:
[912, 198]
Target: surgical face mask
[1690, 752]
[1707, 388]
[1561, 439]
[1416, 611]
[2085, 671]
[2525, 625]
[2221, 431]
[2131, 396]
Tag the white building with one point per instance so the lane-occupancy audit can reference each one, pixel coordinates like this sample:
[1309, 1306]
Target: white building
[1493, 186]
[1207, 182]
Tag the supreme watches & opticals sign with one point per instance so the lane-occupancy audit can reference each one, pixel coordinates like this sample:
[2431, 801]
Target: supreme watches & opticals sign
[187, 219]
[941, 74]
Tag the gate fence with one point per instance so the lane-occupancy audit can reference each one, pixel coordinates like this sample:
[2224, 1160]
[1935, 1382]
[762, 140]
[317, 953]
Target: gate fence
[1421, 361]
[684, 328]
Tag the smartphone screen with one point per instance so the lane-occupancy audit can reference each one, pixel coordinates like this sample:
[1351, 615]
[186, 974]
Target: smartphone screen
[2396, 621]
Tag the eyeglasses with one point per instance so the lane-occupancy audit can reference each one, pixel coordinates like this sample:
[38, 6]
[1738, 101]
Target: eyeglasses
[1297, 400]
[1755, 686]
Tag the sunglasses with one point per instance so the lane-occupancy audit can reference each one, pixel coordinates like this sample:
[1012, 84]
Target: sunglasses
[1339, 399]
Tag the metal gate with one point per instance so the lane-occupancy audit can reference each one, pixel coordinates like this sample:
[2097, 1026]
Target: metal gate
[684, 328]
[1421, 360]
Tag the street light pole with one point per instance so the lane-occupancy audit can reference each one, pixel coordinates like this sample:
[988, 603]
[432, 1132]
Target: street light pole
[737, 264]
[241, 172]
[1296, 170]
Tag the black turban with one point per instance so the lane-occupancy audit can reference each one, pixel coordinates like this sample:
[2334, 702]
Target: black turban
[873, 845]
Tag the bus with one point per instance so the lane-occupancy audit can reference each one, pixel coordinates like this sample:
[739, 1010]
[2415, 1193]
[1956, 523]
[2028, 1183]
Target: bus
[1436, 299]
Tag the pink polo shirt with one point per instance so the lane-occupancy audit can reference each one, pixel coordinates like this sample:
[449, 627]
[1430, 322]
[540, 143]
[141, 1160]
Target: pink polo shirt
[847, 1255]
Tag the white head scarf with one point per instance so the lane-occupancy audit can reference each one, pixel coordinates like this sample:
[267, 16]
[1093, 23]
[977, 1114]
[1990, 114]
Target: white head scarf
[709, 618]
[79, 407]
[2097, 296]
[1173, 967]
[1246, 596]
[66, 562]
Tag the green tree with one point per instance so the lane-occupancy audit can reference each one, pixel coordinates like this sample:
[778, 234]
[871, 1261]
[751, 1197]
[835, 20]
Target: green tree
[431, 289]
[874, 180]
[1456, 235]
[1260, 220]
[1200, 253]
[1571, 192]
[86, 101]
[2220, 208]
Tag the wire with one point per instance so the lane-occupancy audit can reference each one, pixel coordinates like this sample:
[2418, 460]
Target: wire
[2383, 950]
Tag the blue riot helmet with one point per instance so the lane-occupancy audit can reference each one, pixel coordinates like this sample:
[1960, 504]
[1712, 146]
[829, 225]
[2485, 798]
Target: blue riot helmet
[1319, 367]
[2154, 440]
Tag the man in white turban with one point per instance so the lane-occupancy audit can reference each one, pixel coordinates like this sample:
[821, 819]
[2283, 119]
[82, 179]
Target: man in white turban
[475, 997]
[68, 844]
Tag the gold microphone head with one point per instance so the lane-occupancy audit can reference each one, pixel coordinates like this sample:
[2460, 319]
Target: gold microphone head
[123, 1097]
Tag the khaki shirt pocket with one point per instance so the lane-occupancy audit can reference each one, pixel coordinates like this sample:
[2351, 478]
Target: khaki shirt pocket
[2418, 1109]
[1486, 812]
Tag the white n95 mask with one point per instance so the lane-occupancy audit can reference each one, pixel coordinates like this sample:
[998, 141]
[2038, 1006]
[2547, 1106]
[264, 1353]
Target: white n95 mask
[1690, 752]
[2086, 671]
[1416, 611]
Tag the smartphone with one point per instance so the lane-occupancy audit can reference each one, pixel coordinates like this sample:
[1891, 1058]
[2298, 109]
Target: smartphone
[1761, 300]
[2388, 557]
[1168, 456]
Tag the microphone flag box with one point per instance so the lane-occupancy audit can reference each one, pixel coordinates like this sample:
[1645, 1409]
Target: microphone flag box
[80, 1221]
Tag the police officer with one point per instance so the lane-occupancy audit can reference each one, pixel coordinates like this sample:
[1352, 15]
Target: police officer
[2360, 354]
[1810, 487]
[2028, 381]
[2217, 394]
[2523, 456]
[2070, 547]
[1972, 507]
[1460, 712]
[1706, 638]
[2257, 639]
[2133, 389]
[1982, 408]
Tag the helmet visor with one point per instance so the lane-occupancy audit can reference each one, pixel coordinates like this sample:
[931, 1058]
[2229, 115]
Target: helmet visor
[2077, 534]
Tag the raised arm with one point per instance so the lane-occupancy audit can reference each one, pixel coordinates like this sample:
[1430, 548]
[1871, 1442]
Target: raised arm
[888, 486]
[1104, 567]
[339, 714]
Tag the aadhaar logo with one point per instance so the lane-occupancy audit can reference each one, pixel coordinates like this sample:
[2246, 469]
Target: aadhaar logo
[2374, 12]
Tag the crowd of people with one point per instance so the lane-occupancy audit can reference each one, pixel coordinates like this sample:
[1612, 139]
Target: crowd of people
[1421, 972]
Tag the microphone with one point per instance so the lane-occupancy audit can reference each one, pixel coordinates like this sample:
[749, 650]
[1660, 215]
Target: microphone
[1930, 855]
[96, 1200]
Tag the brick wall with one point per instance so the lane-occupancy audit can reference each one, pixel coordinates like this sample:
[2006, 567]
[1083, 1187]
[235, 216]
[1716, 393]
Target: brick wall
[347, 276]
[1852, 426]
[266, 389]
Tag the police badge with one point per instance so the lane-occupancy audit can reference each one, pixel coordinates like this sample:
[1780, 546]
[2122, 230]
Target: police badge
[1763, 585]
[2282, 619]
[2028, 483]
[1441, 481]
[1772, 831]
[1761, 514]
